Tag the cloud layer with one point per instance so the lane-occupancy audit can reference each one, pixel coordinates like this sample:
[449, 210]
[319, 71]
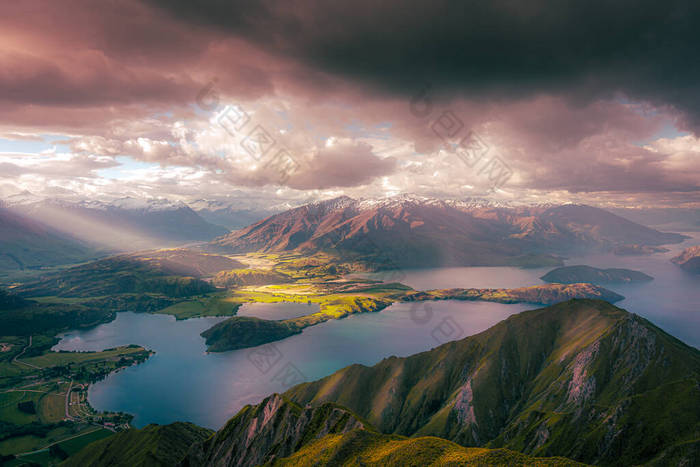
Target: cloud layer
[587, 101]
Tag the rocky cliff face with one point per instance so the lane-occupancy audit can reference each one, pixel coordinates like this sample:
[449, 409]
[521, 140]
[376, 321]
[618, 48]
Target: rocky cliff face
[582, 379]
[273, 429]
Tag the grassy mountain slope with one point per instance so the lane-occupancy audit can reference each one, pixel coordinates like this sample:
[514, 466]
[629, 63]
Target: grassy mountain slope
[367, 448]
[278, 432]
[117, 275]
[151, 446]
[9, 301]
[239, 277]
[581, 379]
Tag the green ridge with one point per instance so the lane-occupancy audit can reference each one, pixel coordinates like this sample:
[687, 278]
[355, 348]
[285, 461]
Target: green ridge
[154, 445]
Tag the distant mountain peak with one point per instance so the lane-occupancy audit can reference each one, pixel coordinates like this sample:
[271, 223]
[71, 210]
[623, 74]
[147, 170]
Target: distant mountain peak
[146, 204]
[418, 231]
[333, 204]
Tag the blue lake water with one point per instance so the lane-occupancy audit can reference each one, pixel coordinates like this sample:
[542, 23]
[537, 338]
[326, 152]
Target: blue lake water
[182, 382]
[671, 301]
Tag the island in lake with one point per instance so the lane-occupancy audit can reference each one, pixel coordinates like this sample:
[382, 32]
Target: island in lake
[242, 332]
[591, 275]
[638, 250]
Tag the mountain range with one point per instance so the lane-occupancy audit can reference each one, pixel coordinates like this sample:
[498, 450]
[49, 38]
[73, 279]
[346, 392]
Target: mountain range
[40, 233]
[172, 272]
[28, 244]
[409, 231]
[401, 231]
[124, 224]
[580, 381]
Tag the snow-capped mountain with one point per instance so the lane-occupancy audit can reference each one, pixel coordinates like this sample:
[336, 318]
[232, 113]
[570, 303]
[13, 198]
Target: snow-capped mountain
[416, 231]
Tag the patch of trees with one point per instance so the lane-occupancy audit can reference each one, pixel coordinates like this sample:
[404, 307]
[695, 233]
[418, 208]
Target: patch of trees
[56, 371]
[57, 452]
[10, 430]
[27, 407]
[38, 318]
[176, 286]
[9, 300]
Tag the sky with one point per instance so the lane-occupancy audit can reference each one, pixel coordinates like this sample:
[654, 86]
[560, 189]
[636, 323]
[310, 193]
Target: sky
[263, 102]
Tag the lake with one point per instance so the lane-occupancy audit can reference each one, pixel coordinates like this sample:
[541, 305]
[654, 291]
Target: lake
[182, 382]
[671, 301]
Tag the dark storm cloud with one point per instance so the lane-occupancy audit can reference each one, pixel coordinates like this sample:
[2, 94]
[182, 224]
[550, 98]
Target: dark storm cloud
[583, 49]
[583, 97]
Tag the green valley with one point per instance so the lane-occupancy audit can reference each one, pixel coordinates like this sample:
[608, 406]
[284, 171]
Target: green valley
[189, 283]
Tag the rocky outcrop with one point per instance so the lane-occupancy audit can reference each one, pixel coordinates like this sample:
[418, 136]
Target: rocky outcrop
[689, 260]
[273, 429]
